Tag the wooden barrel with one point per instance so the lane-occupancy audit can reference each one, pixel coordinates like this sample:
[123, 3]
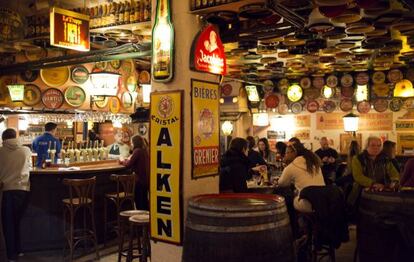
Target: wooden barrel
[237, 228]
[384, 224]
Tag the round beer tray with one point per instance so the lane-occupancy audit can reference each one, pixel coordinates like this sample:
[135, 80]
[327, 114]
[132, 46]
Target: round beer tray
[127, 100]
[318, 82]
[35, 54]
[378, 77]
[380, 105]
[271, 101]
[29, 75]
[363, 107]
[312, 106]
[396, 104]
[305, 82]
[101, 102]
[332, 81]
[114, 104]
[296, 107]
[394, 75]
[329, 106]
[347, 80]
[283, 109]
[116, 64]
[52, 98]
[79, 74]
[283, 85]
[32, 95]
[144, 77]
[347, 91]
[132, 83]
[346, 104]
[362, 78]
[101, 66]
[381, 90]
[312, 93]
[55, 77]
[268, 86]
[75, 96]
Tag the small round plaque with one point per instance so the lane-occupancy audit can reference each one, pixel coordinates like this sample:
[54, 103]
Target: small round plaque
[346, 104]
[296, 107]
[52, 98]
[396, 104]
[127, 100]
[329, 106]
[380, 105]
[347, 80]
[378, 77]
[332, 81]
[364, 107]
[75, 96]
[32, 95]
[312, 106]
[79, 74]
[283, 109]
[29, 75]
[114, 105]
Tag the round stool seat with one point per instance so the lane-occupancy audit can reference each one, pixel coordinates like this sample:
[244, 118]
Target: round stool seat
[140, 219]
[133, 212]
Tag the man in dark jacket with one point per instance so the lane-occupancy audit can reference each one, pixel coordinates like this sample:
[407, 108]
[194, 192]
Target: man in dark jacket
[234, 166]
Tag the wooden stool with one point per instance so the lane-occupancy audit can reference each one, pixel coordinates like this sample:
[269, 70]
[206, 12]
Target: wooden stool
[138, 223]
[124, 220]
[81, 196]
[316, 248]
[125, 193]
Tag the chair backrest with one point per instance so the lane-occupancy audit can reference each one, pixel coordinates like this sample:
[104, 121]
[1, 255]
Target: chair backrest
[83, 189]
[124, 184]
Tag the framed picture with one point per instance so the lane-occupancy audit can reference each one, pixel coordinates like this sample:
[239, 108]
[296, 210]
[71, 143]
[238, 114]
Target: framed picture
[205, 122]
[345, 140]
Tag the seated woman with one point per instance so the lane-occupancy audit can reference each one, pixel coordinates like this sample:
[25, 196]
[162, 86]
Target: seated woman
[304, 170]
[255, 159]
[234, 166]
[389, 150]
[264, 150]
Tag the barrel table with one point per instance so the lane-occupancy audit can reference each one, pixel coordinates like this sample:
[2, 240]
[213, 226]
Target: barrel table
[385, 231]
[237, 228]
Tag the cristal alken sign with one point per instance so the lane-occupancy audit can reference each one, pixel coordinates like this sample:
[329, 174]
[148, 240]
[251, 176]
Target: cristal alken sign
[207, 52]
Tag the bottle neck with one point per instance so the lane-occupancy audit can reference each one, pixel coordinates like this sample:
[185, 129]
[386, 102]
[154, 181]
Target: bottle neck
[163, 10]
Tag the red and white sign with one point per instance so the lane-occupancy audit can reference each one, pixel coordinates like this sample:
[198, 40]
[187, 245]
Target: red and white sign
[207, 52]
[52, 98]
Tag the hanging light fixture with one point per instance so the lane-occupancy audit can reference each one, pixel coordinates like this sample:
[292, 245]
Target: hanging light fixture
[404, 88]
[16, 92]
[351, 123]
[104, 83]
[227, 128]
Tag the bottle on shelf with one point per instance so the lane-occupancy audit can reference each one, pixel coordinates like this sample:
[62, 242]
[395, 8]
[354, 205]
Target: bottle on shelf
[63, 151]
[132, 12]
[162, 40]
[53, 153]
[90, 159]
[77, 153]
[102, 151]
[71, 152]
[126, 13]
[147, 11]
[120, 19]
[137, 13]
[84, 153]
[103, 17]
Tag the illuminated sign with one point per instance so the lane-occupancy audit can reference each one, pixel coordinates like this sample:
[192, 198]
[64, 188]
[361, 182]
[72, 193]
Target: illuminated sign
[207, 52]
[166, 166]
[205, 117]
[69, 29]
[16, 92]
[252, 94]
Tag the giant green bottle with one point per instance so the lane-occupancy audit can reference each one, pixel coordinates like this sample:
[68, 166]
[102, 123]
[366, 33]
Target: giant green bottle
[162, 65]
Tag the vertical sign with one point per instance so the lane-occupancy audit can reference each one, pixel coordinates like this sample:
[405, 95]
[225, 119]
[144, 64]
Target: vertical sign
[69, 29]
[166, 129]
[205, 117]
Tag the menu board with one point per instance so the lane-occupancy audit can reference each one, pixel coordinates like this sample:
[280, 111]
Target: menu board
[367, 122]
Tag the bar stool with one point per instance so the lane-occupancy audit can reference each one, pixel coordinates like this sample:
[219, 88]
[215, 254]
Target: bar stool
[125, 193]
[124, 220]
[81, 197]
[137, 224]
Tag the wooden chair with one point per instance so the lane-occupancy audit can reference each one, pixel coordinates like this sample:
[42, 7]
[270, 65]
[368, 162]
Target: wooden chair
[139, 226]
[125, 193]
[81, 197]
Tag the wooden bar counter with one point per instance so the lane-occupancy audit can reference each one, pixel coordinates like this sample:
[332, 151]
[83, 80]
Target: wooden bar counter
[42, 226]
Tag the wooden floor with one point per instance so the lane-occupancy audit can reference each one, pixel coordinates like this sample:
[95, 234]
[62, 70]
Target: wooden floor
[344, 254]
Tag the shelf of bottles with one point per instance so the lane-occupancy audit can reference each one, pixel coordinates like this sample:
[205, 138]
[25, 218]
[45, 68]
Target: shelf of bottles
[121, 14]
[209, 6]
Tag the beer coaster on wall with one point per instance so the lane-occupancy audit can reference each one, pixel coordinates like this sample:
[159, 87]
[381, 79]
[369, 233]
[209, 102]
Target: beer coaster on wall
[318, 82]
[144, 77]
[75, 96]
[312, 106]
[347, 91]
[378, 77]
[283, 109]
[380, 105]
[55, 77]
[52, 98]
[332, 81]
[305, 82]
[101, 66]
[127, 100]
[346, 104]
[362, 78]
[394, 75]
[116, 64]
[381, 90]
[347, 80]
[32, 95]
[396, 104]
[271, 101]
[114, 105]
[35, 54]
[79, 74]
[101, 102]
[296, 107]
[364, 107]
[29, 75]
[329, 106]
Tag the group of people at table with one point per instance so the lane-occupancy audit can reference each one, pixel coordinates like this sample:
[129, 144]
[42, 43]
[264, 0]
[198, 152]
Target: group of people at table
[373, 168]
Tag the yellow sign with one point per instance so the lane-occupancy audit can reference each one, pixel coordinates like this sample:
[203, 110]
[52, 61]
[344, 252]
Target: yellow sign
[302, 134]
[165, 166]
[69, 29]
[367, 122]
[405, 144]
[404, 126]
[206, 124]
[302, 121]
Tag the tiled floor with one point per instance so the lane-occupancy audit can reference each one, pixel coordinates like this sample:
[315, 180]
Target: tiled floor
[344, 254]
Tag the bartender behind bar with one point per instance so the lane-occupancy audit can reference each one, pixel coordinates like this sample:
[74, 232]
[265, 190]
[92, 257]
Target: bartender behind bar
[41, 145]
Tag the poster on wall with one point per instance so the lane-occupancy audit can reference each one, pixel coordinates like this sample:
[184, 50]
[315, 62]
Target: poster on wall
[405, 144]
[205, 119]
[302, 134]
[367, 122]
[166, 130]
[345, 140]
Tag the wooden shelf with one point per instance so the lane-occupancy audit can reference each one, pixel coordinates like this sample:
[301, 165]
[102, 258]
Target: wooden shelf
[144, 26]
[234, 6]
